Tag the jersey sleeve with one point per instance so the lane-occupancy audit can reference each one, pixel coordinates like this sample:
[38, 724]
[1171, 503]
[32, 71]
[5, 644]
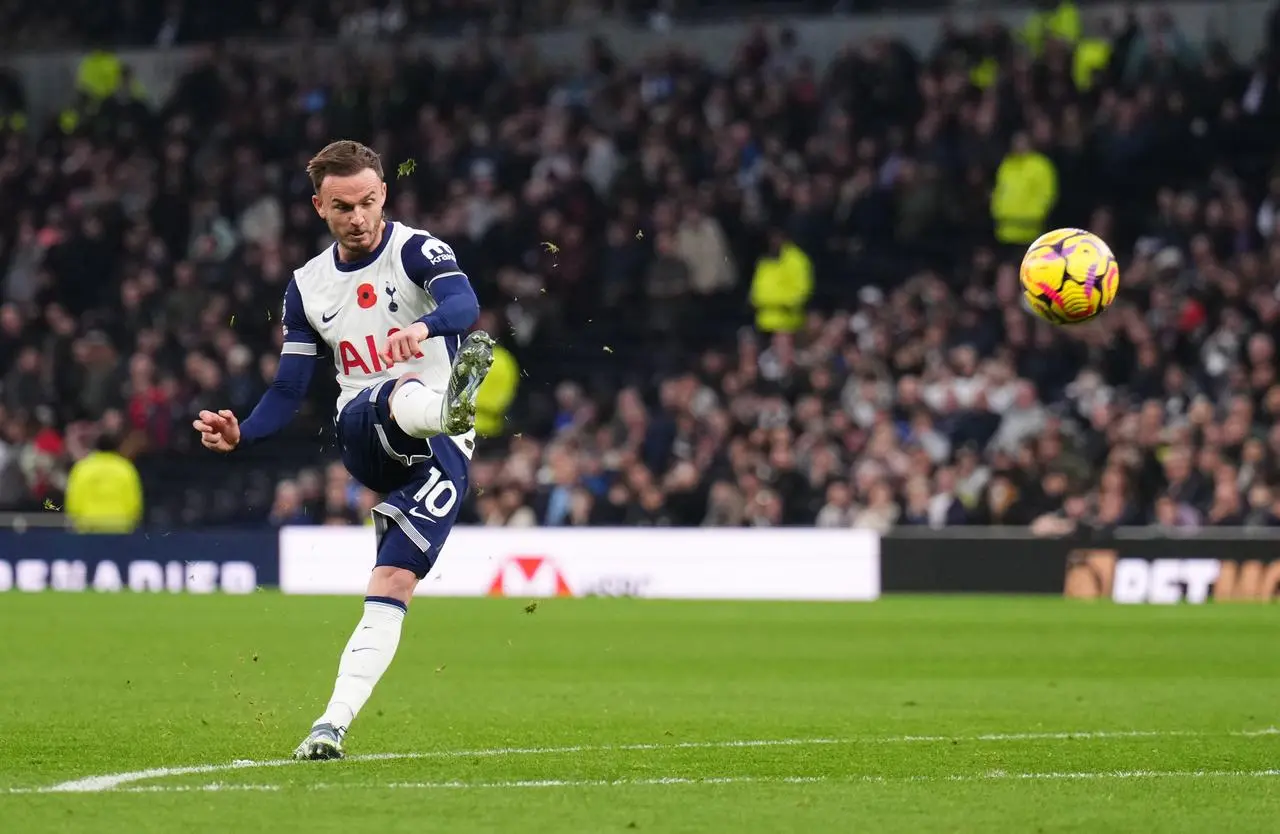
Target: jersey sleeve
[431, 264]
[426, 259]
[300, 338]
[280, 402]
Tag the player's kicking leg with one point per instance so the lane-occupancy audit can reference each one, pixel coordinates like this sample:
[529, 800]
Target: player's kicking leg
[470, 367]
[423, 412]
[392, 436]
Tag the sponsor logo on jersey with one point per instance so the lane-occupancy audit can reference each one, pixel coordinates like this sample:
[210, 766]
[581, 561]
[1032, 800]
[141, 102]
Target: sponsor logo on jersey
[363, 356]
[437, 251]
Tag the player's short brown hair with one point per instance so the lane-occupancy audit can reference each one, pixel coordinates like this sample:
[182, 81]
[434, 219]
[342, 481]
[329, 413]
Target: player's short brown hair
[343, 158]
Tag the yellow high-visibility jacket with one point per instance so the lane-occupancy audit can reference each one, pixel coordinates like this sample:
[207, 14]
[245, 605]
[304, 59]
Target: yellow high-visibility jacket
[1026, 189]
[1063, 23]
[1092, 55]
[104, 494]
[496, 393]
[780, 289]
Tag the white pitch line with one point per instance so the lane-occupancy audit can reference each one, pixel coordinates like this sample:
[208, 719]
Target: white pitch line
[991, 776]
[112, 781]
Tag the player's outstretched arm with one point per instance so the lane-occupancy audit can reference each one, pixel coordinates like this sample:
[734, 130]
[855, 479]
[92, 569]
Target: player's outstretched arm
[221, 432]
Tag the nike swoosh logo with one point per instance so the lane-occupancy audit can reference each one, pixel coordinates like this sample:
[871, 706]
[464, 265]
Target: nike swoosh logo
[329, 318]
[365, 649]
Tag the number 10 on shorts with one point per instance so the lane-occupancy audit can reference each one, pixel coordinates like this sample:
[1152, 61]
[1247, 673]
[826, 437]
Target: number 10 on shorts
[437, 496]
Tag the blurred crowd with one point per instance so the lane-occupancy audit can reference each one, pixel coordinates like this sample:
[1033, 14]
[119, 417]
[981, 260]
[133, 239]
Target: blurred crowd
[175, 22]
[164, 23]
[776, 294]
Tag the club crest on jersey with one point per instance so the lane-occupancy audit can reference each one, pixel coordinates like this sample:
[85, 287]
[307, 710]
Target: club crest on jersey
[392, 306]
[365, 296]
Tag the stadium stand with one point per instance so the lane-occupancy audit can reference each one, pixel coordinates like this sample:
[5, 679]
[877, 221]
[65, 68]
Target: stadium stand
[164, 23]
[769, 296]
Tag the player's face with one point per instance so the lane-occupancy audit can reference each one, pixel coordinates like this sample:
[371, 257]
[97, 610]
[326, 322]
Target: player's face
[352, 208]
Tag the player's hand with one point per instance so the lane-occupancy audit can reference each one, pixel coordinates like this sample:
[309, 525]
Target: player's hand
[219, 431]
[403, 344]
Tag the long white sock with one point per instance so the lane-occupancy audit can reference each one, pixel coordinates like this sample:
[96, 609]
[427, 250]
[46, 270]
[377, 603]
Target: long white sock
[364, 660]
[418, 410]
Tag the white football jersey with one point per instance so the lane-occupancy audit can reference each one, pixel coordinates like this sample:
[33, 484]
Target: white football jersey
[354, 307]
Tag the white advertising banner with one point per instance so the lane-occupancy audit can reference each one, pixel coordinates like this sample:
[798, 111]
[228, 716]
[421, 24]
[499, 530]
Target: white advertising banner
[662, 564]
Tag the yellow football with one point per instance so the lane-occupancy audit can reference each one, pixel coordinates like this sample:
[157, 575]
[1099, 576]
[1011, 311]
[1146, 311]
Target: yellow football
[1069, 276]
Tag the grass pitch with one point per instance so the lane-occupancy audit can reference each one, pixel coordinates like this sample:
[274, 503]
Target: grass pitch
[907, 715]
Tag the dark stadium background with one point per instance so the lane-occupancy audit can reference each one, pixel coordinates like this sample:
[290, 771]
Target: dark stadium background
[611, 208]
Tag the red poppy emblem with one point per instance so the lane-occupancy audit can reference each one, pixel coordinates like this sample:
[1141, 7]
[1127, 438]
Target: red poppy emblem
[365, 296]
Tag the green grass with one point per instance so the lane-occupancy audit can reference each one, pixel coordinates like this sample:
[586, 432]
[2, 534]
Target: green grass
[102, 684]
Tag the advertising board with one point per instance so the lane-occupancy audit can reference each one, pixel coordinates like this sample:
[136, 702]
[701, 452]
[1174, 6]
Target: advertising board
[193, 562]
[665, 564]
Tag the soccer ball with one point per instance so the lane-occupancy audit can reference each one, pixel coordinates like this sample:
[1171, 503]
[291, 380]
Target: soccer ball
[1069, 276]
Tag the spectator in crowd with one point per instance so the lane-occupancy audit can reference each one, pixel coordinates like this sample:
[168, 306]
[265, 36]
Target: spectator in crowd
[287, 509]
[1026, 188]
[782, 285]
[104, 492]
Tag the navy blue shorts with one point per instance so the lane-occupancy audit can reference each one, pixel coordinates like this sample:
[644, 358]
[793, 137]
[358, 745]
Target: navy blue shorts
[423, 481]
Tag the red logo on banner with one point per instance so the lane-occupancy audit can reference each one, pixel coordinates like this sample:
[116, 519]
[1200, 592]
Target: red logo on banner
[519, 574]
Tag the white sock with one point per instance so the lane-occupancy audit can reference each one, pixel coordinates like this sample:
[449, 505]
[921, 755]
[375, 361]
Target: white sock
[366, 657]
[418, 410]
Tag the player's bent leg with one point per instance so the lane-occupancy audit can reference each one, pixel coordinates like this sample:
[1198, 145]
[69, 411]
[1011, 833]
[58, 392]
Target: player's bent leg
[417, 409]
[421, 411]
